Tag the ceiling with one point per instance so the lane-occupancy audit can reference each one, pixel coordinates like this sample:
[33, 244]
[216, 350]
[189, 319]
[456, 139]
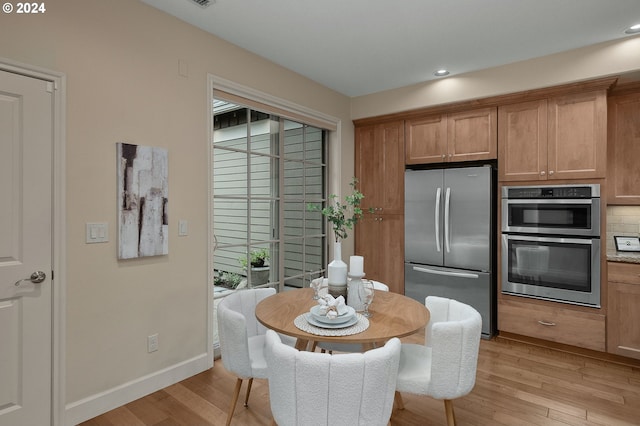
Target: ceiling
[358, 47]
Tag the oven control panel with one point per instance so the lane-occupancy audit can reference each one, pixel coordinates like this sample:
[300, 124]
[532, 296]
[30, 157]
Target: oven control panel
[545, 192]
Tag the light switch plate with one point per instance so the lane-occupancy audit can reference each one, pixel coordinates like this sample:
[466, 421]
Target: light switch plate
[183, 228]
[97, 233]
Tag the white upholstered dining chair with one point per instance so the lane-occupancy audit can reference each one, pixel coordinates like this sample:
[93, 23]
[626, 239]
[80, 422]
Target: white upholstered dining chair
[313, 389]
[242, 339]
[445, 366]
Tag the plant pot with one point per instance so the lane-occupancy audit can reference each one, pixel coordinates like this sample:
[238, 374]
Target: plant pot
[260, 275]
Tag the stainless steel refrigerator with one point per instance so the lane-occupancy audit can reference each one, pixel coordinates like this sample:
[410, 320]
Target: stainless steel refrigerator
[449, 225]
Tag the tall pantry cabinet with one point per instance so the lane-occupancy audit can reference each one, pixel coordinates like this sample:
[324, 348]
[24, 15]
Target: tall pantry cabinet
[379, 168]
[623, 145]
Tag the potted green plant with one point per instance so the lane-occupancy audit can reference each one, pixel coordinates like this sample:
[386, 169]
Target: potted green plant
[259, 270]
[342, 216]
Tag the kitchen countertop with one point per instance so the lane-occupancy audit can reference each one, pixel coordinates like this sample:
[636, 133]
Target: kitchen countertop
[623, 256]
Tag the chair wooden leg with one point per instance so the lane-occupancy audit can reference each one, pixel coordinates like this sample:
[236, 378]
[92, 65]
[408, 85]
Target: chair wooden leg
[313, 346]
[301, 344]
[448, 409]
[234, 400]
[246, 399]
[397, 401]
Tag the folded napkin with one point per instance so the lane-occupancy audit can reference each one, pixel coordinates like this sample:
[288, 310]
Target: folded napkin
[323, 285]
[332, 307]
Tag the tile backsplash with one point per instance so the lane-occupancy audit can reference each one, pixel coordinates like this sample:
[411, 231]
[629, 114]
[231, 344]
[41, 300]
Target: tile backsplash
[624, 221]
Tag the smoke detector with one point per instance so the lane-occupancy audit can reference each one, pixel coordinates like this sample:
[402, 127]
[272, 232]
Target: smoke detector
[204, 3]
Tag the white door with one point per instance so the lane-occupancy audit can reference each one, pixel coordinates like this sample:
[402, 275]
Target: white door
[26, 142]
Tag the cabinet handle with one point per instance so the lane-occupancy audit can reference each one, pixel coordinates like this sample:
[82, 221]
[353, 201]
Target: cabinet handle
[550, 172]
[542, 173]
[444, 156]
[547, 324]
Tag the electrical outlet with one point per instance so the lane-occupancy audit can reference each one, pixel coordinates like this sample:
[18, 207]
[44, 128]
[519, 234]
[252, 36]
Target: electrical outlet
[152, 343]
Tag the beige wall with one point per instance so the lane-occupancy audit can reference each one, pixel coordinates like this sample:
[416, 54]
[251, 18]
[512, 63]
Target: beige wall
[121, 59]
[604, 59]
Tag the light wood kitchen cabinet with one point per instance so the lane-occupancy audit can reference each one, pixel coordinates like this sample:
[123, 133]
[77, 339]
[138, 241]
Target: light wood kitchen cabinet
[623, 322]
[553, 323]
[522, 140]
[426, 140]
[380, 240]
[623, 146]
[564, 137]
[379, 236]
[379, 153]
[461, 136]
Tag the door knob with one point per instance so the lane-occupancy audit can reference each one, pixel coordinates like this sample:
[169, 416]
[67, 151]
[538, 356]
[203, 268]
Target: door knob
[36, 278]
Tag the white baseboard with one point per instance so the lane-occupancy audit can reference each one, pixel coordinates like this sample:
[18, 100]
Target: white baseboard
[94, 405]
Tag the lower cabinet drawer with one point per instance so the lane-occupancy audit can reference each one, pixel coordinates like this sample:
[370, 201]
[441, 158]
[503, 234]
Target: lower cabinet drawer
[577, 328]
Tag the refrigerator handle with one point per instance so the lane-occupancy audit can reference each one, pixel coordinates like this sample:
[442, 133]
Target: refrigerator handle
[437, 216]
[447, 199]
[450, 274]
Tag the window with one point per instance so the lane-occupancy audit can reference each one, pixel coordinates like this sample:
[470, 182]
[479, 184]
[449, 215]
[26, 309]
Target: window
[265, 170]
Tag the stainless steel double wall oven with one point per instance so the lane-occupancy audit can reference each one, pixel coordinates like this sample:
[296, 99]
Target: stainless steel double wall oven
[551, 243]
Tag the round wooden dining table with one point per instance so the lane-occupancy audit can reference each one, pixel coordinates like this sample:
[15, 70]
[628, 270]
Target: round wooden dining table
[394, 315]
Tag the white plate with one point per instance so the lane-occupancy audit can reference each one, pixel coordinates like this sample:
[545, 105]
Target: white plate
[311, 320]
[315, 313]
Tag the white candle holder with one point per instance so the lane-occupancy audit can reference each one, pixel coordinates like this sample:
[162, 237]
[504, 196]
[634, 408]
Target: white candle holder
[354, 293]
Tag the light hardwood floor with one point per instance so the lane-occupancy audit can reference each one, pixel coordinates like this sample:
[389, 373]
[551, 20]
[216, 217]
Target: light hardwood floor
[517, 384]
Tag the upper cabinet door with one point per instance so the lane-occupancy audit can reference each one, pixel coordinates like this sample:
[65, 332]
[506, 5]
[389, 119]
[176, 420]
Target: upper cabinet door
[426, 140]
[472, 135]
[380, 166]
[367, 165]
[522, 141]
[564, 137]
[578, 136]
[623, 172]
[462, 136]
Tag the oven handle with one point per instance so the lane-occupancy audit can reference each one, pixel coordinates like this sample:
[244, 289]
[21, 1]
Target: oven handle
[447, 273]
[548, 201]
[585, 241]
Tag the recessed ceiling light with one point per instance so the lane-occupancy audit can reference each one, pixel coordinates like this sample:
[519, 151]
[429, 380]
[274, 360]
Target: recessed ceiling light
[441, 73]
[633, 29]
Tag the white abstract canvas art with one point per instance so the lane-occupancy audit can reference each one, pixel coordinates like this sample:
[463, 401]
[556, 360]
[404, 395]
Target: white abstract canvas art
[143, 197]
